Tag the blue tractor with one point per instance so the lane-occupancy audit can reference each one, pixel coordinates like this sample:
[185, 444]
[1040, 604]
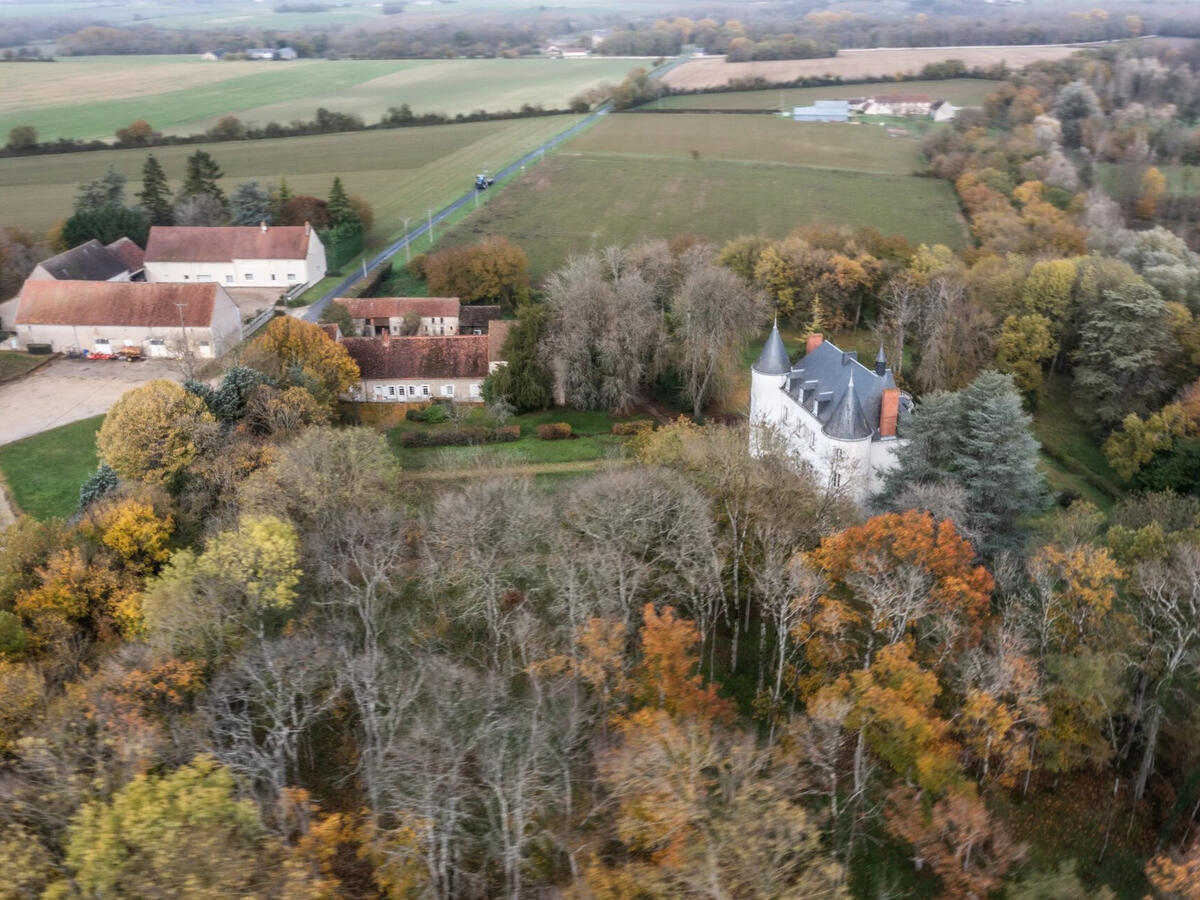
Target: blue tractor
[484, 181]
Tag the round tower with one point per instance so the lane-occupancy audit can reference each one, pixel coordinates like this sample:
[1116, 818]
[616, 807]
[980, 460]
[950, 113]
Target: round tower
[767, 376]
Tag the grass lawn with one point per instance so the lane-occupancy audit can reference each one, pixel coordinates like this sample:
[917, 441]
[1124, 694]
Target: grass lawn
[958, 91]
[574, 202]
[44, 472]
[14, 365]
[596, 442]
[90, 97]
[402, 172]
[1071, 458]
[829, 145]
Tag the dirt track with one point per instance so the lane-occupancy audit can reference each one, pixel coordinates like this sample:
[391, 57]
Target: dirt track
[850, 64]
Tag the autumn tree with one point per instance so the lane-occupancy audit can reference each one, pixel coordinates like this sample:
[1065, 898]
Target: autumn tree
[129, 846]
[495, 270]
[1022, 347]
[300, 353]
[968, 849]
[154, 432]
[1150, 191]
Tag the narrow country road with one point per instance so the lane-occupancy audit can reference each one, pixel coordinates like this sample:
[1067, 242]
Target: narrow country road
[313, 313]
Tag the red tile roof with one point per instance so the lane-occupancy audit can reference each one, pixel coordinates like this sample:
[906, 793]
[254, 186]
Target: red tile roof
[472, 315]
[128, 253]
[133, 303]
[396, 307]
[331, 329]
[457, 356]
[197, 244]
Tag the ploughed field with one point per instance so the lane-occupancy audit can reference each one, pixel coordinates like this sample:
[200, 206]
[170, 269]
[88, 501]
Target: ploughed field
[709, 72]
[91, 97]
[634, 176]
[401, 172]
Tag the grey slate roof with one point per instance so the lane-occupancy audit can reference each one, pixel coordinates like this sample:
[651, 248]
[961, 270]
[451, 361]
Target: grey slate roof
[774, 359]
[87, 262]
[842, 393]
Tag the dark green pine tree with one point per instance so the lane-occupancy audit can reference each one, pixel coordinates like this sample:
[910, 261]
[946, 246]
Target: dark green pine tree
[155, 195]
[340, 210]
[525, 382]
[201, 177]
[978, 439]
[279, 199]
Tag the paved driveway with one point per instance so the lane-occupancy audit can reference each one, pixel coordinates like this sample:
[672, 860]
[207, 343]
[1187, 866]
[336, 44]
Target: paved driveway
[67, 390]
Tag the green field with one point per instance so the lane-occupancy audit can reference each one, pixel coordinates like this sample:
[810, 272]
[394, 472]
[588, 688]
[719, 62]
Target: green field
[958, 91]
[594, 443]
[44, 472]
[402, 172]
[90, 97]
[633, 177]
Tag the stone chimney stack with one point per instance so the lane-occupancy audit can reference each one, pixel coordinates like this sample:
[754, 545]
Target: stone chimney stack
[889, 412]
[815, 340]
[308, 228]
[263, 226]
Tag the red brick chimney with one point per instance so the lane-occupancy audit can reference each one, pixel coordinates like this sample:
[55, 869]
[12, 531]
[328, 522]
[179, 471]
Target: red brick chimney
[889, 412]
[815, 340]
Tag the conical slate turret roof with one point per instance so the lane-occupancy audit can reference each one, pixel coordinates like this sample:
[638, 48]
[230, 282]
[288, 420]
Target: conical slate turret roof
[848, 422]
[774, 359]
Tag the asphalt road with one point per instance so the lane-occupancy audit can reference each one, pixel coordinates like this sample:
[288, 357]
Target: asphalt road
[313, 313]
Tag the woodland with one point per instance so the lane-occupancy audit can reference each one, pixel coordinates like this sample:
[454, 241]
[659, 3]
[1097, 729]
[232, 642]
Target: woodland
[261, 660]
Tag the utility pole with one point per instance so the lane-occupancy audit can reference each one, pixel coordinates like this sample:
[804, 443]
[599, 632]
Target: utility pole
[186, 359]
[407, 251]
[429, 214]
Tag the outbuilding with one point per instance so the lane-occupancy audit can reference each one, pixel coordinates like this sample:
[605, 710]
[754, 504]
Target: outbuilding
[105, 316]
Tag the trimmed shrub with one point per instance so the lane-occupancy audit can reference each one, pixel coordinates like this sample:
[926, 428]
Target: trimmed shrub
[461, 437]
[554, 431]
[633, 429]
[435, 414]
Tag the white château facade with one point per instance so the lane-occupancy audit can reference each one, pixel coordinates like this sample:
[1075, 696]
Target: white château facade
[841, 418]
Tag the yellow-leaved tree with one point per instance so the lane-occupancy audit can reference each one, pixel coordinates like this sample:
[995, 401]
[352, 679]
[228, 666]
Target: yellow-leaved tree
[296, 352]
[154, 432]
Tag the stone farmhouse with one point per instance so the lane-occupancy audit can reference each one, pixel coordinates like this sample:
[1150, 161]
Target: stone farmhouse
[842, 419]
[912, 105]
[282, 257]
[419, 369]
[119, 261]
[105, 316]
[420, 316]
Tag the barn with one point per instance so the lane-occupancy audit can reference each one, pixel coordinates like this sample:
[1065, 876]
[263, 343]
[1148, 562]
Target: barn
[105, 316]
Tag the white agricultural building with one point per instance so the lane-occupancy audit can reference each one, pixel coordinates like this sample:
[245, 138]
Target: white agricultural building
[105, 316]
[279, 256]
[823, 111]
[843, 419]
